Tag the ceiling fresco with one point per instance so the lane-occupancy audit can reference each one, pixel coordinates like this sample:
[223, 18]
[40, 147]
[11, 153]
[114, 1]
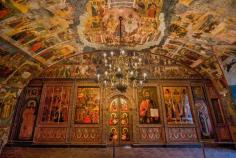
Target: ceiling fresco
[198, 34]
[39, 28]
[137, 25]
[16, 68]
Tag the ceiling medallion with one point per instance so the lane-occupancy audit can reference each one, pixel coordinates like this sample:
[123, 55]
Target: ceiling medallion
[120, 69]
[142, 27]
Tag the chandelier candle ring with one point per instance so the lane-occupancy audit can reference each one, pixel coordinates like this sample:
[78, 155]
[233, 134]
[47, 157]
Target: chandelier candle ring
[120, 70]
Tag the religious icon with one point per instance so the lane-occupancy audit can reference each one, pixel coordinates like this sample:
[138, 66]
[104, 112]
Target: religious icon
[124, 105]
[148, 107]
[87, 108]
[125, 135]
[113, 135]
[55, 107]
[202, 112]
[177, 105]
[204, 119]
[28, 119]
[114, 105]
[124, 119]
[197, 92]
[113, 120]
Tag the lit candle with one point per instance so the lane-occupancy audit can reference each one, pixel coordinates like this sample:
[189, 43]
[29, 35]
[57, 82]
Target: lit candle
[98, 76]
[141, 82]
[131, 73]
[122, 52]
[140, 59]
[144, 75]
[105, 55]
[105, 82]
[112, 53]
[119, 70]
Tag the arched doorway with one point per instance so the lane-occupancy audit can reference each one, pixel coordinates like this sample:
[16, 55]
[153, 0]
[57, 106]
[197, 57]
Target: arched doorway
[119, 121]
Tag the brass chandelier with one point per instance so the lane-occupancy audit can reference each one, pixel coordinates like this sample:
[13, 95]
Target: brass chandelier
[120, 70]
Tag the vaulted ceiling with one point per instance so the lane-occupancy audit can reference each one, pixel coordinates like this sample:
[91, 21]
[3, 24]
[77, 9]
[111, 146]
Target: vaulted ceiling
[198, 34]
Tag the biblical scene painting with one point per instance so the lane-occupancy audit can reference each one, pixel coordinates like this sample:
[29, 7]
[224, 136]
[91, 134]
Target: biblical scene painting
[149, 109]
[177, 105]
[202, 112]
[55, 106]
[140, 22]
[88, 105]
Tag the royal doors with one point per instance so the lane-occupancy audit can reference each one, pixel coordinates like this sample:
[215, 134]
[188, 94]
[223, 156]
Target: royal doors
[119, 121]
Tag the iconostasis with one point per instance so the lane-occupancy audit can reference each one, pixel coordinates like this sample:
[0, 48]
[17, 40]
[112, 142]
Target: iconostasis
[79, 112]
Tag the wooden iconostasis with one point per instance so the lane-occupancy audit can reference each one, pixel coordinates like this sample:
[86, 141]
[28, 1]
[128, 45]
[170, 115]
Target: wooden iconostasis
[76, 112]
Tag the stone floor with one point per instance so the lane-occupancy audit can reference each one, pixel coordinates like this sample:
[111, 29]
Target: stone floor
[120, 152]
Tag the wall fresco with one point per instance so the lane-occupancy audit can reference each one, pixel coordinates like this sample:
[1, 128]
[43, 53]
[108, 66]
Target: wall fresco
[85, 66]
[8, 98]
[23, 74]
[81, 66]
[4, 132]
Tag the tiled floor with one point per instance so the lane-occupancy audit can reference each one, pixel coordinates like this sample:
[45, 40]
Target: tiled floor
[121, 152]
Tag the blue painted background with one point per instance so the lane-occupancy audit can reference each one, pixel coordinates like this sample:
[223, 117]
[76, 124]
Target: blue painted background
[233, 90]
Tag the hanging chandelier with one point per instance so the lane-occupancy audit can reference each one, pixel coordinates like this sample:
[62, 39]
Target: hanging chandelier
[120, 70]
